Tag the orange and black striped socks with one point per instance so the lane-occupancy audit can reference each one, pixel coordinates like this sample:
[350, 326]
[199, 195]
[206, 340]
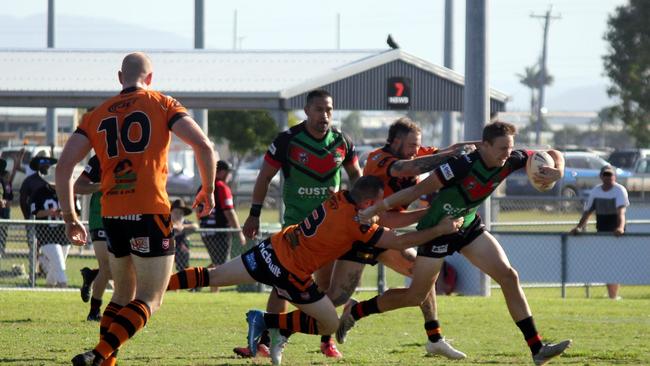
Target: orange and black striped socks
[527, 327]
[293, 322]
[365, 308]
[193, 277]
[129, 320]
[433, 331]
[110, 312]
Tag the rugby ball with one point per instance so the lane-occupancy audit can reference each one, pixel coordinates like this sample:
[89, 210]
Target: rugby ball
[535, 162]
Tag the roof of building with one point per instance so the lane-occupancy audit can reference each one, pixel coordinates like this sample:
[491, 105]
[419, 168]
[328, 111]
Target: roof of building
[206, 78]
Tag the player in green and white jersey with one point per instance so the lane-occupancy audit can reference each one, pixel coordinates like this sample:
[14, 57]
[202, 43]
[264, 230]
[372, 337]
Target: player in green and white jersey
[310, 155]
[87, 183]
[463, 183]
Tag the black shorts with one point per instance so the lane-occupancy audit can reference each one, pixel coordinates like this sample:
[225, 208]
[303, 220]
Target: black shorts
[98, 235]
[362, 253]
[141, 235]
[445, 245]
[262, 264]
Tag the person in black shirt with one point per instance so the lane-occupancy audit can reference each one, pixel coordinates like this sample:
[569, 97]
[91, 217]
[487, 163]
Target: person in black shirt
[52, 238]
[5, 201]
[40, 165]
[222, 216]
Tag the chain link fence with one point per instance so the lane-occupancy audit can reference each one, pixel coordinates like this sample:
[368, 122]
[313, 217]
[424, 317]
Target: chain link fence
[533, 230]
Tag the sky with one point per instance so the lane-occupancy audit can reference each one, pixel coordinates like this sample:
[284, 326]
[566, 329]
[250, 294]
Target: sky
[575, 41]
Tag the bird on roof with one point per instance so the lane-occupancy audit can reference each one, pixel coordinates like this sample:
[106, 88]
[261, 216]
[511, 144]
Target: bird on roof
[391, 42]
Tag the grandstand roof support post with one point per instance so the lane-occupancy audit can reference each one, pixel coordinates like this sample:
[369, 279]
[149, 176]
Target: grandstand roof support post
[476, 105]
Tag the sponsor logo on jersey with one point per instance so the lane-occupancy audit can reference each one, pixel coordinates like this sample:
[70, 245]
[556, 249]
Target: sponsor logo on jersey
[446, 171]
[250, 261]
[140, 244]
[122, 104]
[88, 169]
[303, 158]
[338, 158]
[305, 296]
[272, 149]
[165, 244]
[268, 259]
[453, 211]
[440, 249]
[227, 202]
[101, 234]
[137, 217]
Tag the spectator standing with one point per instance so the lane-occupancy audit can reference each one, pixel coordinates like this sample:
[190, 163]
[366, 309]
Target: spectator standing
[223, 216]
[54, 245]
[609, 200]
[35, 181]
[5, 201]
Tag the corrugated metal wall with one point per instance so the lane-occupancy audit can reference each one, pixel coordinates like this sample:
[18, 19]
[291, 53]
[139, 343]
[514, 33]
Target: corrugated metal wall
[368, 91]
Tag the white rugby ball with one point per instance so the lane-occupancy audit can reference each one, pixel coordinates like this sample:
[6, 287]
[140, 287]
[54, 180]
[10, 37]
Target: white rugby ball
[535, 162]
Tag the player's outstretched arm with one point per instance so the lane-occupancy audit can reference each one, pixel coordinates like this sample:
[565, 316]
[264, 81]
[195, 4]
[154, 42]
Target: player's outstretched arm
[260, 190]
[390, 240]
[423, 164]
[398, 219]
[402, 198]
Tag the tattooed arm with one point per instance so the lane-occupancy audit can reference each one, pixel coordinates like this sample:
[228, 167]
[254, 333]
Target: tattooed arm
[423, 164]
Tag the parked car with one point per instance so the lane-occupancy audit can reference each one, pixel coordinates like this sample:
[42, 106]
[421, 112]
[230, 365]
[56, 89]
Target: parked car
[244, 181]
[627, 158]
[638, 183]
[581, 174]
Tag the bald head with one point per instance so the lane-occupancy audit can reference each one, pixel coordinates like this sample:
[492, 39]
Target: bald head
[136, 68]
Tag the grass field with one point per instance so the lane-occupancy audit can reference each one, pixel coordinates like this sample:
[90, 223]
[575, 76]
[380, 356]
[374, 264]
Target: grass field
[48, 328]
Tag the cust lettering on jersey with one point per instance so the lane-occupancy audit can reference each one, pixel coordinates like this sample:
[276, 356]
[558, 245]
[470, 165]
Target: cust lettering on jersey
[316, 191]
[122, 104]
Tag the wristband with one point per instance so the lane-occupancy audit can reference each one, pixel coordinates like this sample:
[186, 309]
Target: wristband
[256, 210]
[69, 216]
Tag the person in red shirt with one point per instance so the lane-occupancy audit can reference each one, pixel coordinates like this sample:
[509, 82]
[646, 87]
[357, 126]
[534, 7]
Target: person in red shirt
[223, 216]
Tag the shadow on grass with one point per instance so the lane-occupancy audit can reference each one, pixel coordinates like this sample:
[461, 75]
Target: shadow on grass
[10, 321]
[25, 361]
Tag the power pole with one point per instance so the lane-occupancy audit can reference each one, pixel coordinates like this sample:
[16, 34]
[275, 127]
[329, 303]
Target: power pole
[542, 74]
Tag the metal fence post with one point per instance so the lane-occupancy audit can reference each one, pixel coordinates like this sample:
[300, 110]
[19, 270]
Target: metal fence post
[381, 279]
[563, 256]
[32, 255]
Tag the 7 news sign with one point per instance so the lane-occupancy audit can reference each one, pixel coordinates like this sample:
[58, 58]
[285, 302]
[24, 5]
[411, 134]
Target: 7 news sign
[399, 93]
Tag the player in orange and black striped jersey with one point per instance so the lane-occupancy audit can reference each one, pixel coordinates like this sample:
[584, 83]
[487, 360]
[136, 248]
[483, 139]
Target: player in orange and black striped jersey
[398, 165]
[288, 259]
[131, 134]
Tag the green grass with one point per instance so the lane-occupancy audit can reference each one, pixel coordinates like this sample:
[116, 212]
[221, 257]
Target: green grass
[48, 328]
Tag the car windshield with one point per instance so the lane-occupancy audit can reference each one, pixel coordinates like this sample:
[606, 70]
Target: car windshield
[623, 159]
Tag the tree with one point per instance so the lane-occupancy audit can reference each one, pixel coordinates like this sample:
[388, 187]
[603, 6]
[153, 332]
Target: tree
[532, 78]
[351, 125]
[627, 64]
[246, 132]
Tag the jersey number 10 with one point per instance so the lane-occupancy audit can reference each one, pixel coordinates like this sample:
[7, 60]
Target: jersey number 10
[110, 127]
